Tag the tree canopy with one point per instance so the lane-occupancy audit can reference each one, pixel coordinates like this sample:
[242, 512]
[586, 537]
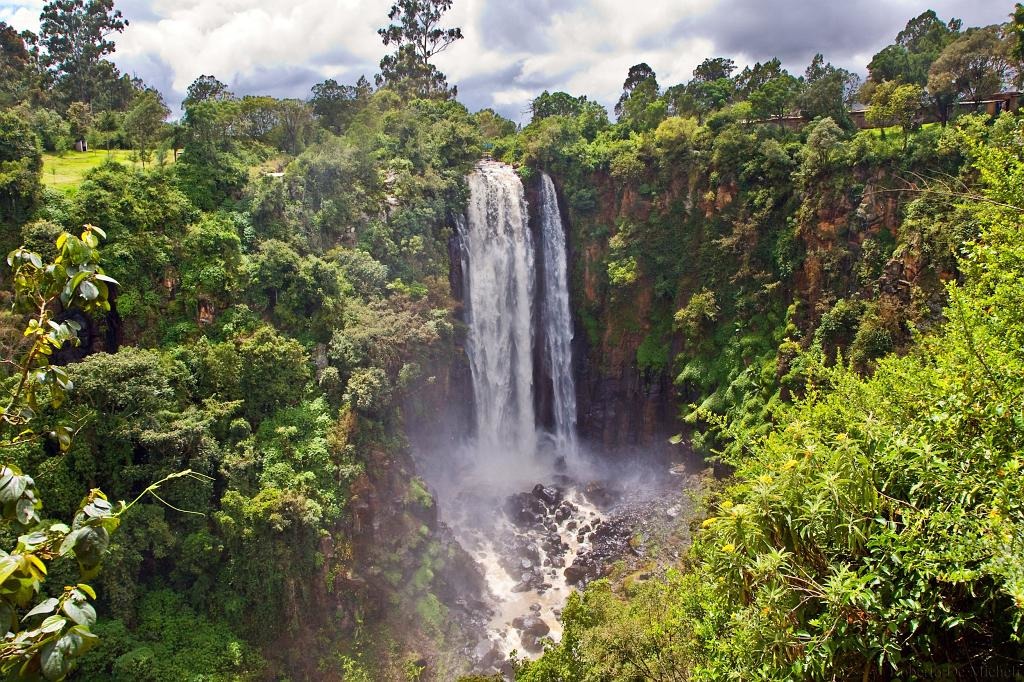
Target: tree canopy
[417, 36]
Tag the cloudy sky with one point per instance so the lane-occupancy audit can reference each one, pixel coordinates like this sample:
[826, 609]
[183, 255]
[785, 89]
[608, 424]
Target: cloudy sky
[513, 49]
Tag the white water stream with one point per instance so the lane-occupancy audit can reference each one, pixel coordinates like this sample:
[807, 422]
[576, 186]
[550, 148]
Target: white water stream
[500, 277]
[523, 562]
[557, 318]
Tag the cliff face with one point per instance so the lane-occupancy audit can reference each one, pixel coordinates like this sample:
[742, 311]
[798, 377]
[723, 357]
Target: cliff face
[841, 237]
[775, 250]
[623, 408]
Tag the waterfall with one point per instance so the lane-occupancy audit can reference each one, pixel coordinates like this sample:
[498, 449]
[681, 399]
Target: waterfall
[499, 265]
[500, 274]
[557, 318]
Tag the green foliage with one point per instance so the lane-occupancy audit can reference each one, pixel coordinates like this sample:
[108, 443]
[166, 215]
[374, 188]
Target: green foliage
[875, 531]
[827, 92]
[20, 163]
[677, 138]
[145, 215]
[273, 373]
[418, 36]
[212, 167]
[336, 105]
[53, 131]
[144, 122]
[44, 637]
[698, 313]
[894, 103]
[76, 35]
[171, 642]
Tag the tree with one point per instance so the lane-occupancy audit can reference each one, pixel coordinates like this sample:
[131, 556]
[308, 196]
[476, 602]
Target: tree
[145, 120]
[50, 633]
[1017, 29]
[892, 63]
[910, 58]
[44, 637]
[714, 69]
[335, 105]
[974, 66]
[206, 88]
[14, 65]
[20, 164]
[753, 77]
[926, 34]
[776, 97]
[640, 106]
[680, 100]
[639, 74]
[493, 125]
[549, 104]
[828, 92]
[295, 126]
[712, 86]
[75, 35]
[418, 36]
[895, 103]
[274, 374]
[209, 169]
[80, 118]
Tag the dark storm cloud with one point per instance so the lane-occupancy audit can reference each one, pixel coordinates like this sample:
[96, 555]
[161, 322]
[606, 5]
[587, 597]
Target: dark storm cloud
[792, 30]
[282, 81]
[477, 92]
[522, 25]
[156, 73]
[334, 56]
[796, 30]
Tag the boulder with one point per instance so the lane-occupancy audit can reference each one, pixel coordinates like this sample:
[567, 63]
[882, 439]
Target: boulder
[550, 496]
[531, 624]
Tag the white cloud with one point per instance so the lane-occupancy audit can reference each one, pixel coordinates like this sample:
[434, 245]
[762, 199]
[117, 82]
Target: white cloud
[234, 39]
[22, 15]
[513, 48]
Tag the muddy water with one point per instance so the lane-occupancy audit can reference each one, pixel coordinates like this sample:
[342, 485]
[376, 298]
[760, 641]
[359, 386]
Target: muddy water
[524, 565]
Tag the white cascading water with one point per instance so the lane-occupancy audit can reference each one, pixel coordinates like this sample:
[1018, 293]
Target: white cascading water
[500, 274]
[557, 318]
[522, 564]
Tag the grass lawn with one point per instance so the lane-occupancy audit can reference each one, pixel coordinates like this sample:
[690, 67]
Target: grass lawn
[65, 171]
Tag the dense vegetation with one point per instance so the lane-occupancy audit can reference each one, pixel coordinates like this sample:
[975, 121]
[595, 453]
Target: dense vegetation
[261, 333]
[837, 309]
[874, 529]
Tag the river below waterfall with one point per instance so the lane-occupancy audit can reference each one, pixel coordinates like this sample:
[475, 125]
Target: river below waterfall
[536, 513]
[536, 546]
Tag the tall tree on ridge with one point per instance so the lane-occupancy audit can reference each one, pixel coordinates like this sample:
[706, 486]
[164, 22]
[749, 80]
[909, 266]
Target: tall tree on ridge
[417, 35]
[75, 35]
[828, 91]
[14, 64]
[638, 75]
[640, 103]
[712, 86]
[335, 104]
[206, 88]
[974, 66]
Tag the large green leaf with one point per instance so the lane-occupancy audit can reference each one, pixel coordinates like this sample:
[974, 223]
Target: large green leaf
[44, 607]
[82, 612]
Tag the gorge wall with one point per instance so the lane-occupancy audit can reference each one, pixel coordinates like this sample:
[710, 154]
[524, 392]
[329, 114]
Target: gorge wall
[779, 251]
